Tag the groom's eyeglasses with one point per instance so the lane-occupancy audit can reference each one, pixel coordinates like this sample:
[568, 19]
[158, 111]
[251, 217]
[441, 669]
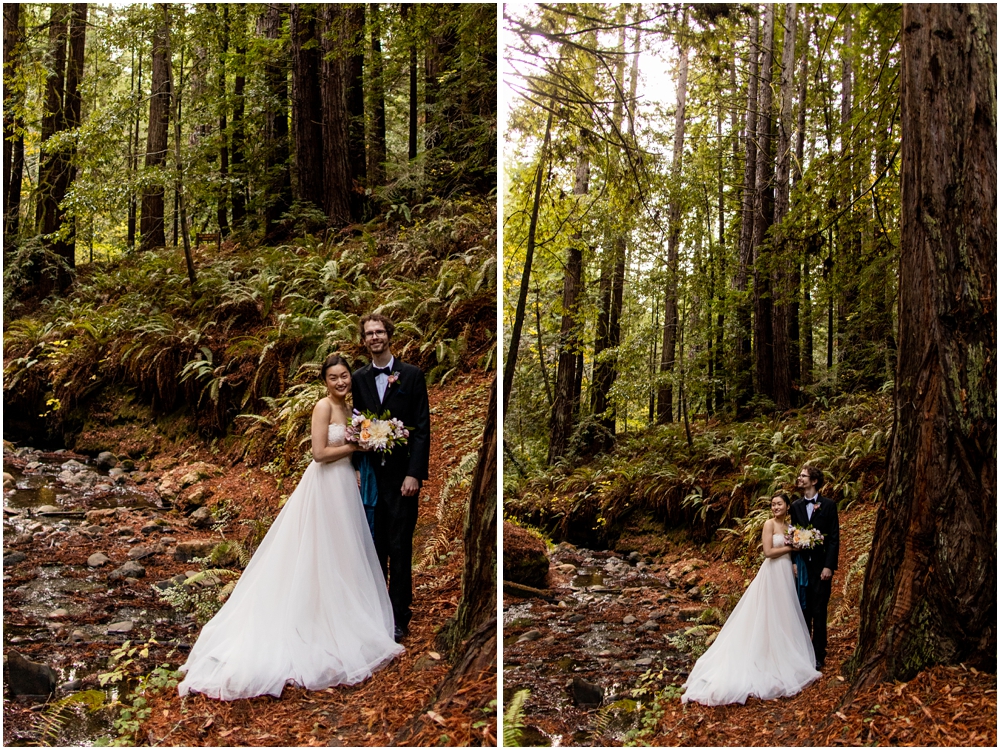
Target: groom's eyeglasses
[374, 334]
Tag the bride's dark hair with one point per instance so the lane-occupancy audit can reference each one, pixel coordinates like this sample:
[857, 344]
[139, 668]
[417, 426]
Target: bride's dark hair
[332, 361]
[784, 496]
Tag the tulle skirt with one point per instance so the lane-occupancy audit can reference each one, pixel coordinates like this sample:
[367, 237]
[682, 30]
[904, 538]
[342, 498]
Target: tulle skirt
[763, 650]
[311, 608]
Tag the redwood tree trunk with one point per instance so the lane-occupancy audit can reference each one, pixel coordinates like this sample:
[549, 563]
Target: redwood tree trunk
[763, 329]
[743, 368]
[307, 107]
[354, 68]
[376, 143]
[279, 197]
[151, 215]
[51, 164]
[238, 163]
[930, 589]
[222, 205]
[334, 83]
[13, 143]
[563, 406]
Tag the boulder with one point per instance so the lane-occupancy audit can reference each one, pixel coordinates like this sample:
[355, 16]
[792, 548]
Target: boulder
[586, 694]
[131, 569]
[26, 677]
[101, 515]
[201, 518]
[185, 551]
[138, 553]
[106, 460]
[524, 557]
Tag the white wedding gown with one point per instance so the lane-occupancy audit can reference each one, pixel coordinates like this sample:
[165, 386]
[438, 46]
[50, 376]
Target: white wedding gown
[763, 650]
[311, 608]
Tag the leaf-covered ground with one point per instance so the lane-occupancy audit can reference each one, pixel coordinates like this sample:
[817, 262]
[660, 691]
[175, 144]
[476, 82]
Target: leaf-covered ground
[601, 633]
[368, 714]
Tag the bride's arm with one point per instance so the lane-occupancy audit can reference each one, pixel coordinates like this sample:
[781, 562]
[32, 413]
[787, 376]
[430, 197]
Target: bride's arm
[770, 551]
[323, 453]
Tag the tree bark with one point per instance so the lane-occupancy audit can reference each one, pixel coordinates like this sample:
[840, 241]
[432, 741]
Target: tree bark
[763, 217]
[151, 215]
[563, 407]
[74, 112]
[406, 11]
[354, 62]
[376, 143]
[238, 137]
[334, 82]
[13, 143]
[307, 106]
[784, 255]
[279, 193]
[133, 208]
[665, 395]
[52, 166]
[930, 586]
[222, 205]
[743, 375]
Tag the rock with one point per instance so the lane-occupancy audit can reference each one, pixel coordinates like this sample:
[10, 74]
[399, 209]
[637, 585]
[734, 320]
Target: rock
[628, 620]
[123, 531]
[77, 636]
[576, 618]
[641, 566]
[167, 540]
[649, 626]
[106, 460]
[646, 661]
[131, 569]
[710, 616]
[424, 662]
[139, 553]
[71, 686]
[101, 515]
[201, 518]
[185, 551]
[657, 615]
[694, 592]
[194, 499]
[120, 627]
[8, 480]
[524, 557]
[586, 694]
[700, 631]
[58, 614]
[27, 677]
[634, 557]
[73, 465]
[116, 474]
[150, 528]
[50, 509]
[568, 568]
[127, 464]
[13, 558]
[531, 635]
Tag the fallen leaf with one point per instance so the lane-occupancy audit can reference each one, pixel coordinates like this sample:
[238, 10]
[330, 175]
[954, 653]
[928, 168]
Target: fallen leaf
[434, 655]
[226, 732]
[437, 717]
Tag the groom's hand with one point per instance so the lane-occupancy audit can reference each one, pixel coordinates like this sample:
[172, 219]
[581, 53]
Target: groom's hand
[826, 575]
[411, 486]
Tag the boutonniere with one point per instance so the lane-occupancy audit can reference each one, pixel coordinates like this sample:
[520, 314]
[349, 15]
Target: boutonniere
[392, 379]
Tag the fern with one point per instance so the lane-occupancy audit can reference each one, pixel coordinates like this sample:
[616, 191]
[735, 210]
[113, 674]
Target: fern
[513, 718]
[53, 720]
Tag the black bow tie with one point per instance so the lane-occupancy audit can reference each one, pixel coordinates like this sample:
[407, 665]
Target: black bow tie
[380, 370]
[813, 502]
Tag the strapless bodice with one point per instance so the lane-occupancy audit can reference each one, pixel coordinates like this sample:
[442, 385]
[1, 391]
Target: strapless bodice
[778, 540]
[336, 434]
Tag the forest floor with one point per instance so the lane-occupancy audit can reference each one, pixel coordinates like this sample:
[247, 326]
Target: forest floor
[633, 629]
[373, 713]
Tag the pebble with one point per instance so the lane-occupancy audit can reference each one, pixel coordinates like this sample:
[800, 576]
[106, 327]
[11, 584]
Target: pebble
[646, 661]
[531, 635]
[131, 569]
[649, 626]
[138, 553]
[120, 627]
[57, 614]
[13, 558]
[77, 636]
[628, 620]
[576, 618]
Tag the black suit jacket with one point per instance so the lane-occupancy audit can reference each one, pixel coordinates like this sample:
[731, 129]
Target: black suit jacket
[406, 400]
[825, 520]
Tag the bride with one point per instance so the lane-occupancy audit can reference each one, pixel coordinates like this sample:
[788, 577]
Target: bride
[764, 648]
[311, 608]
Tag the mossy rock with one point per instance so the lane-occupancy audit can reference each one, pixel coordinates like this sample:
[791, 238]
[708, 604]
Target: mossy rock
[524, 558]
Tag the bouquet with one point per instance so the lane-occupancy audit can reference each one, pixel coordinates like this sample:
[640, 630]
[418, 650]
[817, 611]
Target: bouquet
[800, 538]
[376, 432]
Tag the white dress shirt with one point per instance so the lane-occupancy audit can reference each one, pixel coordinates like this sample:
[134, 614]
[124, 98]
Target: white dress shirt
[382, 380]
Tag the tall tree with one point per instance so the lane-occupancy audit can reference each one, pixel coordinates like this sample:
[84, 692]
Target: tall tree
[307, 105]
[52, 166]
[13, 136]
[665, 397]
[784, 253]
[238, 136]
[376, 143]
[278, 194]
[334, 84]
[151, 216]
[930, 590]
[354, 61]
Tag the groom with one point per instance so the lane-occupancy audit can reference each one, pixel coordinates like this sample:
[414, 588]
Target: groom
[820, 512]
[388, 385]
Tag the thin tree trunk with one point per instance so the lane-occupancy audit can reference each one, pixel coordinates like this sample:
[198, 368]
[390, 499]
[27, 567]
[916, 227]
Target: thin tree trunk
[133, 204]
[665, 396]
[407, 11]
[376, 143]
[238, 137]
[522, 298]
[222, 207]
[801, 318]
[53, 120]
[13, 143]
[179, 175]
[541, 349]
[354, 60]
[930, 590]
[784, 256]
[743, 376]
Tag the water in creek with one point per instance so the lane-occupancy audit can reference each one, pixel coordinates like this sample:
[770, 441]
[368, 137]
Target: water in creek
[48, 497]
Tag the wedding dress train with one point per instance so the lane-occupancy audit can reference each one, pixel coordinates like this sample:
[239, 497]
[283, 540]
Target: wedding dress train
[763, 650]
[311, 608]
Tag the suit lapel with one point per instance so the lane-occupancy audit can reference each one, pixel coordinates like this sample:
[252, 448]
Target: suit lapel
[369, 382]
